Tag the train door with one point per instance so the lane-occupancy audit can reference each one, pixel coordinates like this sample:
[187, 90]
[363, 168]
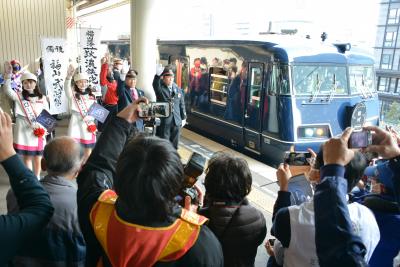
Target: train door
[180, 66]
[252, 111]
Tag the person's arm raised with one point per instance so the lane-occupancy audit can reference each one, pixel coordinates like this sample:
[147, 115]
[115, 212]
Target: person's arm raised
[35, 209]
[383, 143]
[335, 241]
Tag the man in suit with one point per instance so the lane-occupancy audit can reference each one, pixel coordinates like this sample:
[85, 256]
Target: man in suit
[167, 91]
[127, 93]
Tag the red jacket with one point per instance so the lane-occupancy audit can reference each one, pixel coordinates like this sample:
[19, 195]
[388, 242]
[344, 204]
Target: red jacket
[111, 97]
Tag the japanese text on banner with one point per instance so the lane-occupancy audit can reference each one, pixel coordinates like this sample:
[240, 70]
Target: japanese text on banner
[90, 56]
[55, 69]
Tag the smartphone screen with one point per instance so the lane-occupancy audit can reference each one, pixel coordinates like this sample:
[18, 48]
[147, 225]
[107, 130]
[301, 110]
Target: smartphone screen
[271, 241]
[360, 139]
[297, 158]
[155, 110]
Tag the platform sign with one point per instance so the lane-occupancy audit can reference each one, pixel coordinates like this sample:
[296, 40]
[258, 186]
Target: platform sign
[90, 55]
[54, 57]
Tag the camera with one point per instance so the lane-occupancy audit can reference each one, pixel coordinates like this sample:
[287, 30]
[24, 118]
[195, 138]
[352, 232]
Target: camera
[155, 110]
[360, 139]
[297, 158]
[192, 170]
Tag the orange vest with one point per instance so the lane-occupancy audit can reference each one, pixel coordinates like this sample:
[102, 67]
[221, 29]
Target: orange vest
[128, 244]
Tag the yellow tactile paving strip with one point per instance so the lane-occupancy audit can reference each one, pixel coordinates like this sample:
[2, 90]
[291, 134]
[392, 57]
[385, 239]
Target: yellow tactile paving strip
[256, 196]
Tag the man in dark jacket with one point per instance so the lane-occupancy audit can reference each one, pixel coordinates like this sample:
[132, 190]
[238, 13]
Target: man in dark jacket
[239, 227]
[61, 242]
[35, 206]
[146, 174]
[127, 93]
[167, 91]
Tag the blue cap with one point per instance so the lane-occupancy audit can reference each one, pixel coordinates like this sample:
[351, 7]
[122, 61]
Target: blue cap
[383, 173]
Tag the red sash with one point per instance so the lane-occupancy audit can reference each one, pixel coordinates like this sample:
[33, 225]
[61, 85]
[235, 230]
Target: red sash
[129, 244]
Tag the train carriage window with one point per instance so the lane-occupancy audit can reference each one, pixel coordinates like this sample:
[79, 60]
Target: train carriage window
[361, 79]
[279, 80]
[255, 87]
[319, 80]
[219, 82]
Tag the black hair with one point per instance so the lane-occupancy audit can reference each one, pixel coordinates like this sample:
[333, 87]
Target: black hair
[78, 92]
[36, 92]
[228, 178]
[354, 170]
[149, 176]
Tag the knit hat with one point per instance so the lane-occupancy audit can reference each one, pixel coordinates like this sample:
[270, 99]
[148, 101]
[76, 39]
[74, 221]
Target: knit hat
[28, 76]
[80, 76]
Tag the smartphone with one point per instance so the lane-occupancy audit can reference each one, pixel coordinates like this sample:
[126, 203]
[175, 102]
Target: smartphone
[271, 241]
[360, 139]
[297, 158]
[155, 110]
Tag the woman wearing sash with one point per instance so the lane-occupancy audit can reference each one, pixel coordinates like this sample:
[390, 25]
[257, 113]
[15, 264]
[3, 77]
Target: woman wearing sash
[29, 135]
[82, 127]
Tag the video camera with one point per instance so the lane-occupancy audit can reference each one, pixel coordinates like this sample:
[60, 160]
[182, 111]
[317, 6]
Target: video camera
[192, 170]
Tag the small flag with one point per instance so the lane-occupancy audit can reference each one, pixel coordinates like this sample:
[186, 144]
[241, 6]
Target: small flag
[69, 22]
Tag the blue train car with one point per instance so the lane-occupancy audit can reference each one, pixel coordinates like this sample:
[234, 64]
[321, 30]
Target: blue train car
[275, 94]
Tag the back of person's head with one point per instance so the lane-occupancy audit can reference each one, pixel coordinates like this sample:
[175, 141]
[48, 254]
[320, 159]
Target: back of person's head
[228, 178]
[149, 176]
[62, 155]
[354, 170]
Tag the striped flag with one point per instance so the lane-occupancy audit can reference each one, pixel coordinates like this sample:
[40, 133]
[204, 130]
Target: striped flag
[69, 22]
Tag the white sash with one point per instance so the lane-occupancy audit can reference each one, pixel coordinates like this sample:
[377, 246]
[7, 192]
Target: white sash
[28, 110]
[81, 104]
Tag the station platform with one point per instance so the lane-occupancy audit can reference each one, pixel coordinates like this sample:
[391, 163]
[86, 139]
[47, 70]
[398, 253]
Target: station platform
[262, 197]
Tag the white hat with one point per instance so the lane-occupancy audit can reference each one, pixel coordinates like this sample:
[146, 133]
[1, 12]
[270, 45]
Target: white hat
[81, 76]
[28, 76]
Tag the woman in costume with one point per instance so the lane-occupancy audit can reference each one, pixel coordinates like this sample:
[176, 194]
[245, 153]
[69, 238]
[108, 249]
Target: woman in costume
[82, 127]
[29, 135]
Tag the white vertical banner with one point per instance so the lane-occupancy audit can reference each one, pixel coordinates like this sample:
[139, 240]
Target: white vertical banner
[90, 55]
[54, 57]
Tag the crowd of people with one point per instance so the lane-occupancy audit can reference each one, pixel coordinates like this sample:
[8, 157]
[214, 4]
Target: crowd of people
[112, 201]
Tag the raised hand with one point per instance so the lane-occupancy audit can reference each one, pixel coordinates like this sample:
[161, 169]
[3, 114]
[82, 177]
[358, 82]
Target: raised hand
[6, 137]
[336, 150]
[283, 175]
[159, 69]
[70, 71]
[7, 69]
[130, 113]
[383, 143]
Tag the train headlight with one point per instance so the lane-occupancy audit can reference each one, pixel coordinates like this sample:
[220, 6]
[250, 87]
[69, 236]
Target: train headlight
[311, 132]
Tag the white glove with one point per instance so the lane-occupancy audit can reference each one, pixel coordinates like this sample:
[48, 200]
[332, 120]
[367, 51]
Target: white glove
[7, 68]
[159, 69]
[183, 123]
[125, 67]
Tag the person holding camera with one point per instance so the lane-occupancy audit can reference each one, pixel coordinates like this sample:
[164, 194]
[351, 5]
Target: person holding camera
[239, 226]
[294, 226]
[145, 224]
[167, 91]
[336, 243]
